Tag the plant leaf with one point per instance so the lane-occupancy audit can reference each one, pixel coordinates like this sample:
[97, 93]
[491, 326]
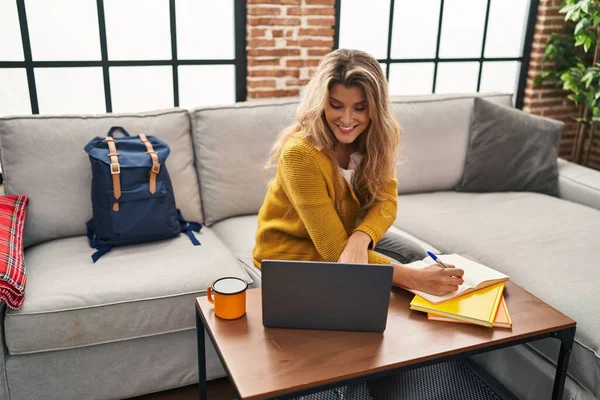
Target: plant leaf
[569, 14]
[585, 6]
[580, 26]
[587, 44]
[566, 9]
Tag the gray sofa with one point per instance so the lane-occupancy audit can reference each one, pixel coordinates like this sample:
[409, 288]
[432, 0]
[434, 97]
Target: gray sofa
[125, 325]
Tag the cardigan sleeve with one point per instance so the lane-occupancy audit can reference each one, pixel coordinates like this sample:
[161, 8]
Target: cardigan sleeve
[380, 216]
[306, 188]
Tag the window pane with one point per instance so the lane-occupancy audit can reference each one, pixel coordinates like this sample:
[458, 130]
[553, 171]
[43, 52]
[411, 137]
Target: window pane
[63, 30]
[365, 27]
[500, 76]
[413, 78]
[11, 47]
[457, 77]
[138, 29]
[506, 28]
[383, 68]
[15, 92]
[201, 85]
[462, 28]
[205, 29]
[415, 28]
[141, 88]
[70, 90]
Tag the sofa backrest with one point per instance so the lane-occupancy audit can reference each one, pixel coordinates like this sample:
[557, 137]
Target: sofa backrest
[232, 143]
[435, 135]
[43, 157]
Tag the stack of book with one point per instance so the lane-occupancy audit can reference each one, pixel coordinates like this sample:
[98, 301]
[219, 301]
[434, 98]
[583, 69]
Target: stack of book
[479, 300]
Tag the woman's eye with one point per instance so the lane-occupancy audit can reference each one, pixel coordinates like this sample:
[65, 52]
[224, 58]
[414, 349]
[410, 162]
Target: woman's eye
[335, 107]
[360, 109]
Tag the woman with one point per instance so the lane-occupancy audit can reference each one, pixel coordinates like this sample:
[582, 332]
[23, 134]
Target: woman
[334, 194]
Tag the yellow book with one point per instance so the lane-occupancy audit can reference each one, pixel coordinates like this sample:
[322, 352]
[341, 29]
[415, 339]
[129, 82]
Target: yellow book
[478, 307]
[502, 319]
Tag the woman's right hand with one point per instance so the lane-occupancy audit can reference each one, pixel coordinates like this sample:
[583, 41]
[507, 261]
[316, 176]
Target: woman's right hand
[432, 279]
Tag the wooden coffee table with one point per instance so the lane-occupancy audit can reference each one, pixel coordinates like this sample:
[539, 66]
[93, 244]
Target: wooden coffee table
[266, 362]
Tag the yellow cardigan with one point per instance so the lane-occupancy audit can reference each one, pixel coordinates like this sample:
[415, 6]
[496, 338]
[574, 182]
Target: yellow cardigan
[298, 219]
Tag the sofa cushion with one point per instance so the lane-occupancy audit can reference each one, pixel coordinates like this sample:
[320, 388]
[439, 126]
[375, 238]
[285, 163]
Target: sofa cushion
[232, 144]
[511, 150]
[435, 131]
[43, 158]
[131, 292]
[546, 245]
[239, 234]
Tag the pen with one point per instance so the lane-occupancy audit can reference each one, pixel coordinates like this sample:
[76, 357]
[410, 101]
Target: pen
[436, 259]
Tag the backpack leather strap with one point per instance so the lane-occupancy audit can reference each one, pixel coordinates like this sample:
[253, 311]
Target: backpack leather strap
[155, 165]
[115, 170]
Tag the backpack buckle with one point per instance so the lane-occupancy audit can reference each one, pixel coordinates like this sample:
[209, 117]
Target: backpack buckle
[115, 168]
[155, 167]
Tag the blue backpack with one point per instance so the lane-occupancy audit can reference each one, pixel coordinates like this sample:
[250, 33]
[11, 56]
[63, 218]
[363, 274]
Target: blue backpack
[132, 195]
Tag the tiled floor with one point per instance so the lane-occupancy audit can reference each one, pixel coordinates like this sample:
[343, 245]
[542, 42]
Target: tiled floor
[219, 389]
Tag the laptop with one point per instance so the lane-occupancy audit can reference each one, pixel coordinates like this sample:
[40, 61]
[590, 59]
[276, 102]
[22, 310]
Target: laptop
[323, 295]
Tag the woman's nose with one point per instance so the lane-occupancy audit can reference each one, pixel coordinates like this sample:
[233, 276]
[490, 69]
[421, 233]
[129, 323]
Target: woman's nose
[347, 117]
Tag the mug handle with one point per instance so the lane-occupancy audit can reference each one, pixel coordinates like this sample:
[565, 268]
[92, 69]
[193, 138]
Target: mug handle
[209, 294]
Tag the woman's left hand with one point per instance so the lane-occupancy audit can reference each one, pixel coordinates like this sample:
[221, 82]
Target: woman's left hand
[356, 248]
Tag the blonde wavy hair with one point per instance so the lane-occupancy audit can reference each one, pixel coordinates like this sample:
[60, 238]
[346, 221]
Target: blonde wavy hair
[377, 143]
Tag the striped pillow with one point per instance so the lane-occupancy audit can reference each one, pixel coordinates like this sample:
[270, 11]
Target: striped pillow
[12, 265]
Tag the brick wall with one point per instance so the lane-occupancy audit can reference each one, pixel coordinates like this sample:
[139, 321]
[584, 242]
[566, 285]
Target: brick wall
[286, 39]
[547, 100]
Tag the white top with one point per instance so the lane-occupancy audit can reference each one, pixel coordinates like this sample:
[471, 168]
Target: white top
[355, 159]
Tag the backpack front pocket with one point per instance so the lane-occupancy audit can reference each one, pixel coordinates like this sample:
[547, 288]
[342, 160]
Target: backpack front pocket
[144, 216]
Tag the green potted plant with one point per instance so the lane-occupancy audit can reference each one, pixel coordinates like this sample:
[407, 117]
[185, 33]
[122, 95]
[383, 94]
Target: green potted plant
[575, 68]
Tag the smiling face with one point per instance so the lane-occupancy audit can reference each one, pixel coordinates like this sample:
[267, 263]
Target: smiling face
[346, 112]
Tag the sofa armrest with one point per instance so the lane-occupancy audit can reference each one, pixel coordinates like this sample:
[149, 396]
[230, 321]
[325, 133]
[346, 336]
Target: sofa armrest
[578, 184]
[3, 382]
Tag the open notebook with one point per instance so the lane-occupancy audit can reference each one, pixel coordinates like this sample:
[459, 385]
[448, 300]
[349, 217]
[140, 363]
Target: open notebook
[477, 276]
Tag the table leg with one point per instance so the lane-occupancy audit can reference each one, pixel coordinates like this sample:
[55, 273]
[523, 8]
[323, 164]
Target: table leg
[200, 332]
[566, 338]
